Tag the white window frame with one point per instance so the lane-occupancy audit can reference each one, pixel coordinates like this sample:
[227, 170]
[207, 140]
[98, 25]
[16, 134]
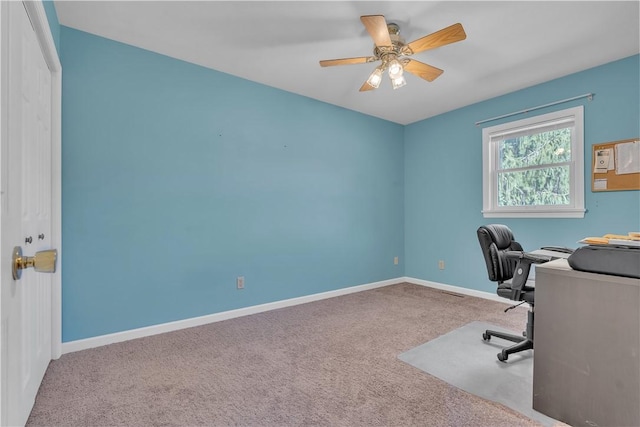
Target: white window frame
[490, 138]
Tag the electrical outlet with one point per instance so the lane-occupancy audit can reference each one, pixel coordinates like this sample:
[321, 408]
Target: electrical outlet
[395, 261]
[441, 265]
[240, 282]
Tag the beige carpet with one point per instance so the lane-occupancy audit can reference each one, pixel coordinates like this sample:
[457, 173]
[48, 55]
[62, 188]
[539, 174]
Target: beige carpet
[327, 363]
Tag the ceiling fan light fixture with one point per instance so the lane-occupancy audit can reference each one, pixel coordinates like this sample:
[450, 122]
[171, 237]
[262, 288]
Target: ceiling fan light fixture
[395, 69]
[398, 82]
[391, 49]
[375, 78]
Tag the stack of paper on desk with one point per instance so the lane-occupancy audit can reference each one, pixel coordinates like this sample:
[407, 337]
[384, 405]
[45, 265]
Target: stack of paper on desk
[630, 239]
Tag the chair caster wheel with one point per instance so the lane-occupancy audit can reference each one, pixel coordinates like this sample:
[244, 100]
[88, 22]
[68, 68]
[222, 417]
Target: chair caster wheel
[502, 357]
[486, 336]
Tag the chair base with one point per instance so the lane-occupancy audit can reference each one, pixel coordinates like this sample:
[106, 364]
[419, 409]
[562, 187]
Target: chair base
[524, 342]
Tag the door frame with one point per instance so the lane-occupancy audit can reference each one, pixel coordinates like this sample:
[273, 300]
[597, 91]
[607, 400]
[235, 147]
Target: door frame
[40, 22]
[37, 15]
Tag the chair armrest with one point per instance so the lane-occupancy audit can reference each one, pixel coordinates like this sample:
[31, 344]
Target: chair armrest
[527, 257]
[561, 249]
[522, 268]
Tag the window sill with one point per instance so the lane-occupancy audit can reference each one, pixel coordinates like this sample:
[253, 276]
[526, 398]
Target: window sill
[534, 213]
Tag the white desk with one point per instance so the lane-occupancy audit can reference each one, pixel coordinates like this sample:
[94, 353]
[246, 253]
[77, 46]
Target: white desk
[586, 363]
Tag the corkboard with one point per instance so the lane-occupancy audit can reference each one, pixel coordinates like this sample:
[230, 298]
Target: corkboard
[605, 177]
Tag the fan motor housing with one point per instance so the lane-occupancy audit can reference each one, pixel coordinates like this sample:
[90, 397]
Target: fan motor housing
[396, 40]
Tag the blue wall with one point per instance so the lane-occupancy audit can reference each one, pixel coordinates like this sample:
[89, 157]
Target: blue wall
[443, 175]
[177, 179]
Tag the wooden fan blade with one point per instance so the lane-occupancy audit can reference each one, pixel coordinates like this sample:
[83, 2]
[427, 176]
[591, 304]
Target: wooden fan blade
[365, 87]
[451, 34]
[347, 61]
[376, 25]
[422, 70]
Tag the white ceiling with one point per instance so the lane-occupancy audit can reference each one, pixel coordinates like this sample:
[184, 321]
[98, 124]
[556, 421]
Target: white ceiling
[510, 45]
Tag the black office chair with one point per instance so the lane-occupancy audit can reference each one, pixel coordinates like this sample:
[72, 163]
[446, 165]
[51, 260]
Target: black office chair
[509, 265]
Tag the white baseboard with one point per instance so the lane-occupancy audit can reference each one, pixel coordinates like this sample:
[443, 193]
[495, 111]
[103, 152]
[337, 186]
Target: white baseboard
[458, 290]
[84, 344]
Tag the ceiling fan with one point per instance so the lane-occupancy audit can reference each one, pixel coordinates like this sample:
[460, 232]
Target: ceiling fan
[391, 49]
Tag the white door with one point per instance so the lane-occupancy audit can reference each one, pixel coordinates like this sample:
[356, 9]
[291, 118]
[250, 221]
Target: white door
[25, 213]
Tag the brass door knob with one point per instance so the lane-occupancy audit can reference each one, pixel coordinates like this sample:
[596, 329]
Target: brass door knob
[43, 262]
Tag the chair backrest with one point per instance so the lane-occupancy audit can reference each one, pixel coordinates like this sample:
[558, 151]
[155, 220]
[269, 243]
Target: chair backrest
[495, 240]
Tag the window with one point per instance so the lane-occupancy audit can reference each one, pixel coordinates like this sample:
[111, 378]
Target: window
[534, 168]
